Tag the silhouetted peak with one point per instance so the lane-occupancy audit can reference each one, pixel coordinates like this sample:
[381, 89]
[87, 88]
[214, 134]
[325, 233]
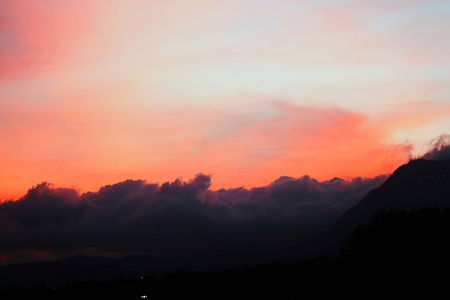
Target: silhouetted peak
[419, 172]
[413, 186]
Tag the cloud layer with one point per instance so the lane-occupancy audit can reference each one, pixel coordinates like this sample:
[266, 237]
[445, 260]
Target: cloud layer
[95, 92]
[178, 217]
[175, 217]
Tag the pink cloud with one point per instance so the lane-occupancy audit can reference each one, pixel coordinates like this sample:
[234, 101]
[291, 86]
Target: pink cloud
[105, 120]
[290, 140]
[75, 145]
[38, 37]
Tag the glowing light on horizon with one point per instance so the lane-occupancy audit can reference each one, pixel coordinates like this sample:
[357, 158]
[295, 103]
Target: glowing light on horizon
[94, 92]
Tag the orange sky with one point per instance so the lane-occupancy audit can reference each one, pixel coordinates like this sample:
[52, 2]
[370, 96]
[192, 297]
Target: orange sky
[94, 92]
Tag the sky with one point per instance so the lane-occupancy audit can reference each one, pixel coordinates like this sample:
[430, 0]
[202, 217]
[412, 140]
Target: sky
[244, 93]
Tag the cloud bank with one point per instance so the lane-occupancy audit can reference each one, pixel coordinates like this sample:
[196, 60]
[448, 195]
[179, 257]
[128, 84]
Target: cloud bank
[178, 217]
[173, 218]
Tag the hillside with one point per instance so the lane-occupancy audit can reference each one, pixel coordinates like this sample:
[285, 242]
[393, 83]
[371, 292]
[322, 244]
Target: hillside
[415, 185]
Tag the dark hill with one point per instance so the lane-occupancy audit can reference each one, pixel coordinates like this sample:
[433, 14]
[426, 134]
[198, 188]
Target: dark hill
[53, 273]
[88, 268]
[413, 186]
[418, 184]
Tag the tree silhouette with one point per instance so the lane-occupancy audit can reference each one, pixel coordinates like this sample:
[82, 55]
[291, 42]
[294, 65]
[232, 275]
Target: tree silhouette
[400, 237]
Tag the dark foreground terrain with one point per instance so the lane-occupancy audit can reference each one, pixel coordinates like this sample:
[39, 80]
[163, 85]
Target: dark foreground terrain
[395, 243]
[395, 254]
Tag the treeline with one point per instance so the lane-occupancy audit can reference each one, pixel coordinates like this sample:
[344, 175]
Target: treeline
[396, 253]
[419, 236]
[270, 281]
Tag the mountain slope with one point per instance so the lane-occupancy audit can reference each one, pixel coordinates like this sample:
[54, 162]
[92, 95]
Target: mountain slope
[87, 268]
[418, 184]
[413, 186]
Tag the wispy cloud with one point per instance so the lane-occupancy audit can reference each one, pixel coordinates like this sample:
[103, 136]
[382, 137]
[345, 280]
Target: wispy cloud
[438, 148]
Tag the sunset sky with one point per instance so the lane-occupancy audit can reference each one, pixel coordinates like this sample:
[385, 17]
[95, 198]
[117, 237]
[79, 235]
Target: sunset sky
[97, 92]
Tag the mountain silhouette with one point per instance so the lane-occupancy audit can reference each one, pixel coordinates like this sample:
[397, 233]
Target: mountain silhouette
[418, 184]
[89, 268]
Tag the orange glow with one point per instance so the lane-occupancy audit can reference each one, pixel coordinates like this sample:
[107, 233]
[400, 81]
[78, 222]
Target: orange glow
[94, 92]
[251, 151]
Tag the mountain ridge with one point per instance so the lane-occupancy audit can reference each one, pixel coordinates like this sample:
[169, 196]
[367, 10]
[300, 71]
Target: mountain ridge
[415, 185]
[412, 186]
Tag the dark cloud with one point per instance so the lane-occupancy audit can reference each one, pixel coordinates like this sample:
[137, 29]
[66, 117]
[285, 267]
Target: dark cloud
[43, 206]
[176, 217]
[439, 148]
